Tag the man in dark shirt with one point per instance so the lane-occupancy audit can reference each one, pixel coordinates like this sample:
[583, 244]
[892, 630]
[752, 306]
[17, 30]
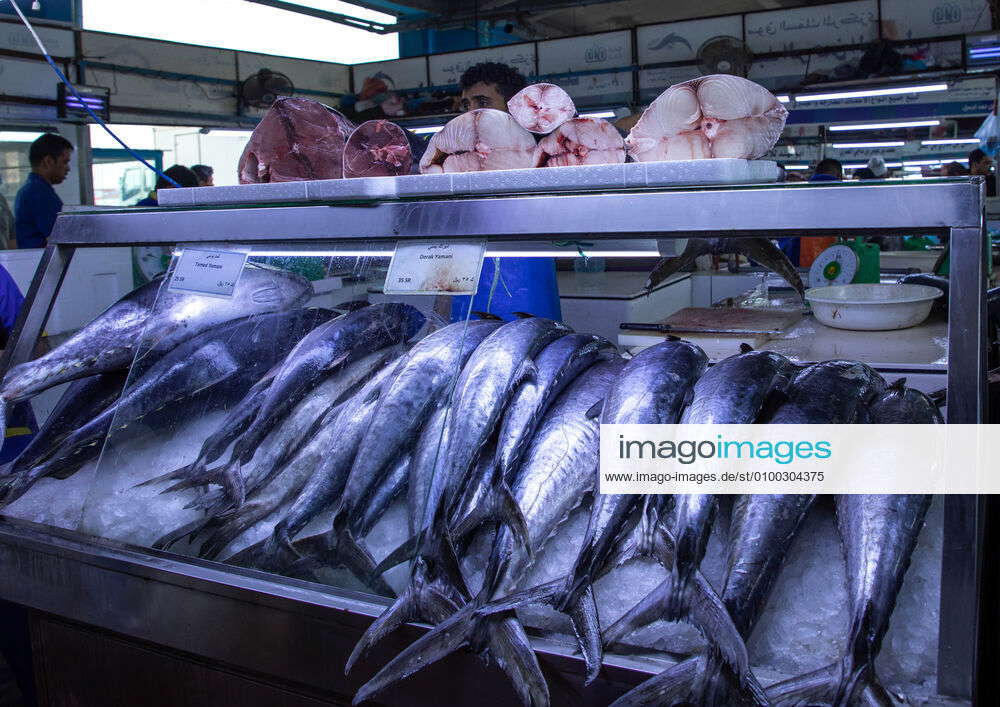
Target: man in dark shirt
[180, 174]
[37, 204]
[981, 164]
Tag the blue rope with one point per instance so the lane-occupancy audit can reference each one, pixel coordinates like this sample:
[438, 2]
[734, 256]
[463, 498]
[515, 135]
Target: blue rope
[71, 87]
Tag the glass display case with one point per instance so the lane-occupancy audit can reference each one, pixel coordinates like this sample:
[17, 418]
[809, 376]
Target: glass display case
[253, 455]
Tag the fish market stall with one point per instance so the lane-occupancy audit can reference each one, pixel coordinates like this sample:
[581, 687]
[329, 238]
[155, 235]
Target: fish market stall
[247, 493]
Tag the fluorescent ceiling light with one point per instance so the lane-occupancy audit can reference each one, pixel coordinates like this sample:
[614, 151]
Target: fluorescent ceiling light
[18, 136]
[427, 129]
[865, 93]
[912, 168]
[796, 166]
[952, 141]
[917, 163]
[886, 126]
[784, 98]
[599, 114]
[568, 253]
[862, 165]
[849, 145]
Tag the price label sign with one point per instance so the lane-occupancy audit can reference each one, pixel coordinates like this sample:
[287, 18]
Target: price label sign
[435, 268]
[208, 272]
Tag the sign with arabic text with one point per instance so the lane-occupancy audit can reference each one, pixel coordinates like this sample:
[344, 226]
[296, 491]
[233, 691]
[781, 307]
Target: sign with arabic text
[820, 26]
[435, 268]
[914, 19]
[680, 41]
[609, 50]
[446, 69]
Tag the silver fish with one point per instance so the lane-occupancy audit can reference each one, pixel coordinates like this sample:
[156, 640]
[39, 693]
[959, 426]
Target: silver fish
[151, 321]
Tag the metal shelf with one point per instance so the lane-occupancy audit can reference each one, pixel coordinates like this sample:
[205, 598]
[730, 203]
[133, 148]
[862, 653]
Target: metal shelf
[34, 561]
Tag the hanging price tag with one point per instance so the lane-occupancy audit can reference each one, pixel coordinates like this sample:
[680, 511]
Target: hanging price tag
[208, 272]
[435, 268]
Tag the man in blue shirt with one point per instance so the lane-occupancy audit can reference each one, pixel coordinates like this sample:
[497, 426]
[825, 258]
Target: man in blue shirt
[37, 203]
[21, 424]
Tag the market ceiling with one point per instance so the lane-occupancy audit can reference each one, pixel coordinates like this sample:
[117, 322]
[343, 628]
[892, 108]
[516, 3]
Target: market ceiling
[538, 19]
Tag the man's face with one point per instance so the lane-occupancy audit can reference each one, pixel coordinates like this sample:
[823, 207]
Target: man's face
[482, 95]
[208, 182]
[55, 170]
[982, 166]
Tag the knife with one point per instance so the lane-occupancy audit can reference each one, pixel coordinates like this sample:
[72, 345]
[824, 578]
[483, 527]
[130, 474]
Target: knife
[670, 329]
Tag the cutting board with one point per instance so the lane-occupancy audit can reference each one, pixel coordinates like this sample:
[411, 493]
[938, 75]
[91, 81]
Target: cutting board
[752, 321]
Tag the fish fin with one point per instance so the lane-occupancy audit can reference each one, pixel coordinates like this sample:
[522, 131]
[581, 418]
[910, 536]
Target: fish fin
[595, 410]
[672, 337]
[523, 315]
[234, 526]
[771, 257]
[648, 610]
[587, 627]
[745, 347]
[188, 529]
[547, 593]
[775, 398]
[816, 686]
[673, 686]
[404, 553]
[418, 601]
[527, 372]
[14, 486]
[337, 548]
[3, 420]
[183, 472]
[509, 645]
[487, 315]
[444, 639]
[898, 385]
[501, 507]
[668, 266]
[339, 361]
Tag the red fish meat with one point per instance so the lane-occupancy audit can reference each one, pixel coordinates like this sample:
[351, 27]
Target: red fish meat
[297, 139]
[581, 141]
[477, 141]
[711, 116]
[377, 148]
[541, 107]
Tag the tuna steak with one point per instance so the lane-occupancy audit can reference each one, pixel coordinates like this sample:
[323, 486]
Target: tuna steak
[581, 141]
[297, 139]
[711, 116]
[541, 107]
[377, 148]
[478, 141]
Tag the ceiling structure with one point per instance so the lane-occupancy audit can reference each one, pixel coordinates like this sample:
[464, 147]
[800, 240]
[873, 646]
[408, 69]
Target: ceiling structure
[537, 19]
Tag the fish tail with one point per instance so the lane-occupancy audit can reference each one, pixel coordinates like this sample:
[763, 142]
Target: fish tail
[418, 601]
[816, 686]
[184, 473]
[188, 529]
[771, 257]
[232, 482]
[674, 686]
[668, 266]
[16, 485]
[509, 645]
[234, 526]
[859, 685]
[587, 628]
[443, 640]
[338, 548]
[501, 507]
[404, 553]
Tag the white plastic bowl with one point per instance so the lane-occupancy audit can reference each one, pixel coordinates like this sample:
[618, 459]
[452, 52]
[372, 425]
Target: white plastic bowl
[865, 307]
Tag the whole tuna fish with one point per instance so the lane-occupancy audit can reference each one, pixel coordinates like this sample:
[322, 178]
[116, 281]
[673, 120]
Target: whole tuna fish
[421, 383]
[558, 363]
[760, 250]
[480, 140]
[732, 392]
[878, 534]
[79, 403]
[243, 348]
[151, 321]
[324, 489]
[541, 107]
[559, 469]
[710, 116]
[830, 392]
[761, 532]
[325, 349]
[653, 388]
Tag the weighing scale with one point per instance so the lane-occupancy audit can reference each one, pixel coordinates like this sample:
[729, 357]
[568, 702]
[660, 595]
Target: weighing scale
[844, 263]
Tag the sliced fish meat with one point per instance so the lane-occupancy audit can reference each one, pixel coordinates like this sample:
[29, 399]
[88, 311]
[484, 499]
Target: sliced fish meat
[377, 148]
[477, 141]
[581, 141]
[541, 107]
